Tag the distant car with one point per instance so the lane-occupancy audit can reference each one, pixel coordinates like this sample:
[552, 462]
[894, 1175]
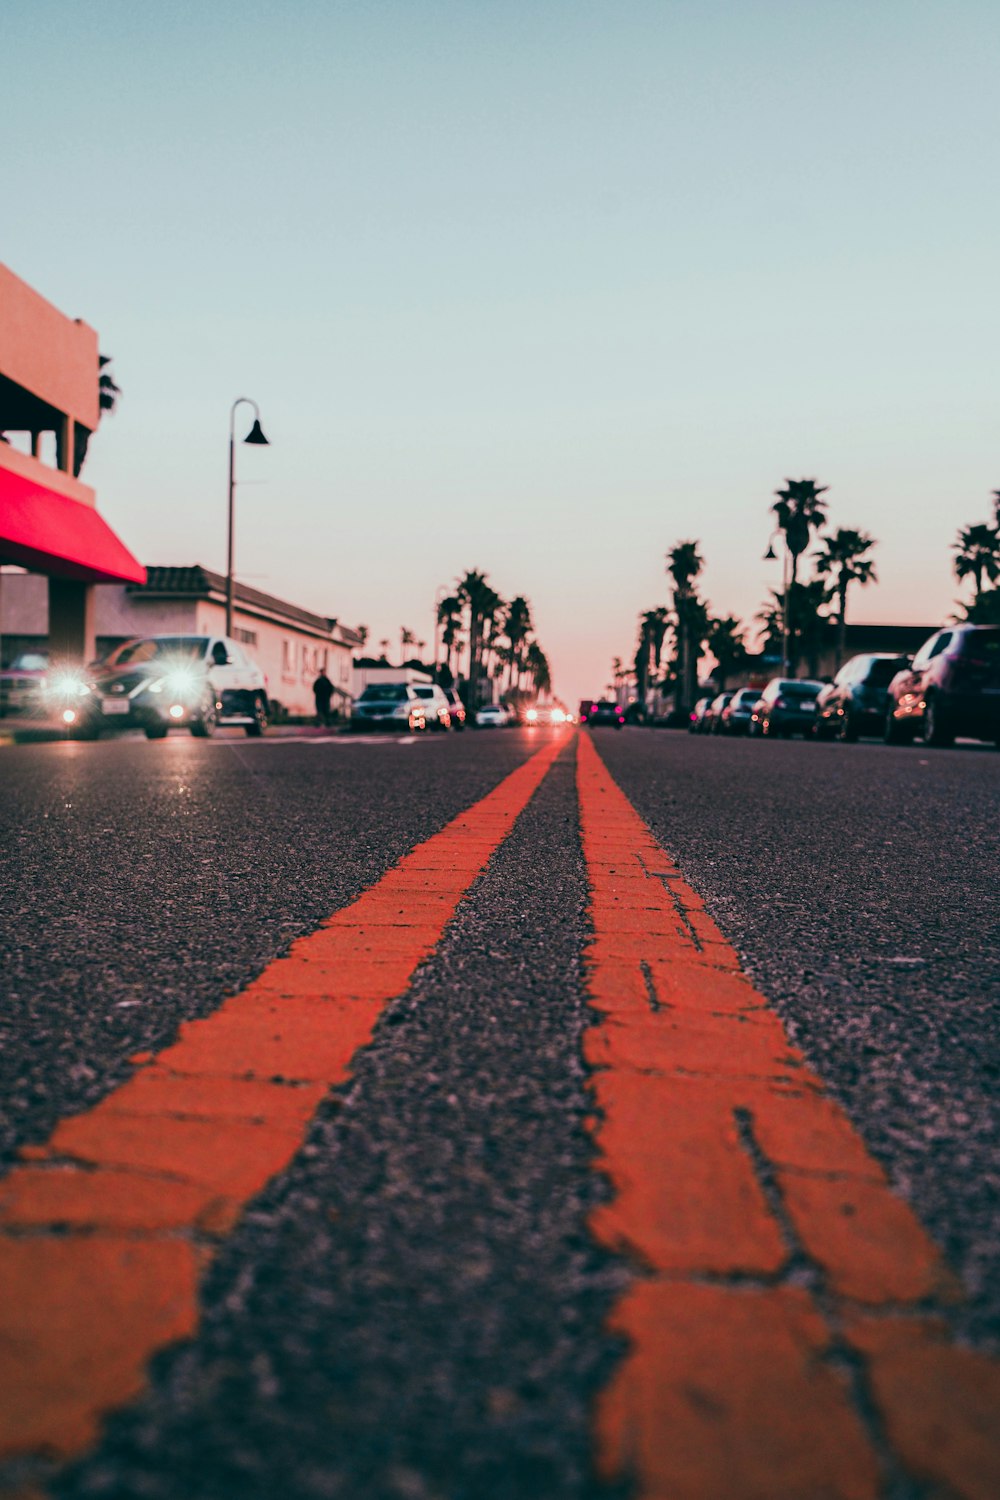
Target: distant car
[604, 712]
[162, 682]
[855, 702]
[388, 705]
[437, 709]
[951, 687]
[586, 704]
[22, 683]
[456, 708]
[492, 716]
[712, 717]
[787, 706]
[735, 717]
[545, 713]
[697, 716]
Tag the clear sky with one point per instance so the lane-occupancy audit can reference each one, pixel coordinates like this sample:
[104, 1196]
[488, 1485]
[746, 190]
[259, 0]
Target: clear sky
[534, 286]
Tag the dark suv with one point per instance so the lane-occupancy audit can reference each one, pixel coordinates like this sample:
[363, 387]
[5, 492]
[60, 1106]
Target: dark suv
[604, 712]
[856, 700]
[787, 706]
[952, 686]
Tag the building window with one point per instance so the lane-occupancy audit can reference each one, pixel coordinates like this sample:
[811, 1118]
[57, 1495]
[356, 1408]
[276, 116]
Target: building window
[248, 637]
[288, 660]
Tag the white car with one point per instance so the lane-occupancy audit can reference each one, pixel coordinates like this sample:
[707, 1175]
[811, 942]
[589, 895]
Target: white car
[492, 716]
[196, 682]
[436, 705]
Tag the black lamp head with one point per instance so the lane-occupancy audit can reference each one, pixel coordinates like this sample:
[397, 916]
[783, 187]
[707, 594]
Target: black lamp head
[256, 435]
[769, 555]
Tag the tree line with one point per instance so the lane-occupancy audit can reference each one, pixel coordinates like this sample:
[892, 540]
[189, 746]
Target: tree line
[803, 618]
[485, 639]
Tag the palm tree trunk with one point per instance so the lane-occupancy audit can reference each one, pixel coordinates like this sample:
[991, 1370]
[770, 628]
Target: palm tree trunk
[842, 627]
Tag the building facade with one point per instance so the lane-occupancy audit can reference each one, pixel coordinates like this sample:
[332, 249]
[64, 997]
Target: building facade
[49, 409]
[292, 645]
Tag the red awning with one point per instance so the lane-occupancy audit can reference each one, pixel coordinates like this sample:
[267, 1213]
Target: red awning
[48, 533]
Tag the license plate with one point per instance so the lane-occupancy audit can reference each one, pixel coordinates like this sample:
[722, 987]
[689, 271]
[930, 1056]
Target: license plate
[115, 705]
[808, 705]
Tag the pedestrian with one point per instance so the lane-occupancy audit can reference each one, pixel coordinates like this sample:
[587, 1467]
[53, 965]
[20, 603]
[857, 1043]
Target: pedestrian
[323, 692]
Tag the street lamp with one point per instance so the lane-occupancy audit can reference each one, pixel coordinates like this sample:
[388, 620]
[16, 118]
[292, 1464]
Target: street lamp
[256, 437]
[769, 556]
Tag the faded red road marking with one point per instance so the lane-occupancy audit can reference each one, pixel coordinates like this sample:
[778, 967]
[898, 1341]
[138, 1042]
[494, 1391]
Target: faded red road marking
[727, 1159]
[107, 1228]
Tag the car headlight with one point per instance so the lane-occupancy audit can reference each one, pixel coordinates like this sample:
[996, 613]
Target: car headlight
[67, 684]
[531, 715]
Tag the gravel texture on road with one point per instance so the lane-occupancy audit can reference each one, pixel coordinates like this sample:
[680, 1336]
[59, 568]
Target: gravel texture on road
[860, 885]
[414, 1309]
[142, 883]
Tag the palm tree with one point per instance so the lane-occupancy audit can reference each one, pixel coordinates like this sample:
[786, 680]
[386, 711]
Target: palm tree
[977, 556]
[537, 664]
[107, 401]
[842, 560]
[406, 638]
[362, 633]
[480, 601]
[450, 617]
[797, 623]
[516, 629]
[800, 512]
[727, 644]
[684, 563]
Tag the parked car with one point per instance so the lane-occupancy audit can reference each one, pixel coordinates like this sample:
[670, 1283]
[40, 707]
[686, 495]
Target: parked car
[437, 709]
[388, 705]
[736, 715]
[855, 702]
[711, 717]
[456, 708]
[492, 716]
[951, 687]
[787, 706]
[161, 682]
[22, 683]
[697, 716]
[604, 712]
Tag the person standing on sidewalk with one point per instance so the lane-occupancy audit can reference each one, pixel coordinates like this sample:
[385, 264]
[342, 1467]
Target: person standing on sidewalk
[323, 692]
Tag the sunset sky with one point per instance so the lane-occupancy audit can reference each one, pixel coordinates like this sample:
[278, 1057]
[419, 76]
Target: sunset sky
[539, 288]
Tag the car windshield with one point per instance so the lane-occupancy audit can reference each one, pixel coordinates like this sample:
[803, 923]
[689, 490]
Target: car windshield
[384, 692]
[424, 692]
[881, 673]
[745, 698]
[801, 689]
[984, 644]
[135, 652]
[30, 661]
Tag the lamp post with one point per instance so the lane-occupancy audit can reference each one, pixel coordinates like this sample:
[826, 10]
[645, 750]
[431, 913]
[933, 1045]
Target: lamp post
[769, 556]
[254, 436]
[439, 598]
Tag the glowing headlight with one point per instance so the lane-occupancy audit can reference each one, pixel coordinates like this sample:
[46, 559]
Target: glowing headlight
[176, 710]
[69, 715]
[67, 685]
[558, 717]
[532, 715]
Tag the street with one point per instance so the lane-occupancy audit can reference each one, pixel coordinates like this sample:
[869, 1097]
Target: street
[472, 1194]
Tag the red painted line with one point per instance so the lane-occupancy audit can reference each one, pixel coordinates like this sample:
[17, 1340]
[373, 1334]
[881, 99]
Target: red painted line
[725, 1155]
[106, 1229]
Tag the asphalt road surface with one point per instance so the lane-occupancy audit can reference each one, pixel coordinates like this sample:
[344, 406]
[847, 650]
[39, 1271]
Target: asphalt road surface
[415, 1304]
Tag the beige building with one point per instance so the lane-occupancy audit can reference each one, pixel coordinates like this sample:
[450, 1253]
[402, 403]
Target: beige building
[292, 645]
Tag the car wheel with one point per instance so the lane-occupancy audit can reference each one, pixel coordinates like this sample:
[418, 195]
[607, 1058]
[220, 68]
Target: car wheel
[204, 726]
[848, 728]
[936, 730]
[156, 731]
[256, 729]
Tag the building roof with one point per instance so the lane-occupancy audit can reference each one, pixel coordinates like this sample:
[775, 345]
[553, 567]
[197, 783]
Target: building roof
[196, 582]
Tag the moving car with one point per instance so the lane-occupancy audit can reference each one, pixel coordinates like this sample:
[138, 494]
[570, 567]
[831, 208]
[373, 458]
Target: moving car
[161, 682]
[546, 713]
[604, 712]
[951, 687]
[735, 717]
[855, 702]
[437, 709]
[787, 706]
[388, 705]
[492, 716]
